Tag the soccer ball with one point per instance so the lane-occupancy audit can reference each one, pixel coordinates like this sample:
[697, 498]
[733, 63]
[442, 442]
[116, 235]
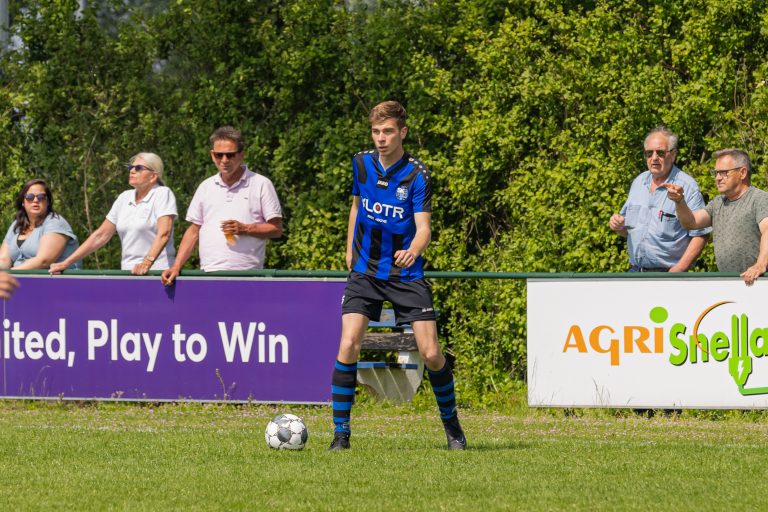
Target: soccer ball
[286, 431]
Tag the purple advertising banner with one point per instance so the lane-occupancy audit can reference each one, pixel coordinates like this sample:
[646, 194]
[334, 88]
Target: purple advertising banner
[130, 338]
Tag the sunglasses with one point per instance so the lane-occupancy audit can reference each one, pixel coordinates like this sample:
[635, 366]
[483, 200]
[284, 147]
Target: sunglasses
[31, 197]
[661, 153]
[230, 155]
[138, 168]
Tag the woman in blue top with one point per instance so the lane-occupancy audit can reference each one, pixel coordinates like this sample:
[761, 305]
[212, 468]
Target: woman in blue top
[39, 236]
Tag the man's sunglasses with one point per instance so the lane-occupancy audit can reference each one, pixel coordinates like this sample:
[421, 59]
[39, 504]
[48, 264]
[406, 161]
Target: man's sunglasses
[230, 155]
[661, 153]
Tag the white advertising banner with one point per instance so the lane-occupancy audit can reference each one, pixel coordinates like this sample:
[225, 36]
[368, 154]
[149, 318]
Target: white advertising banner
[648, 343]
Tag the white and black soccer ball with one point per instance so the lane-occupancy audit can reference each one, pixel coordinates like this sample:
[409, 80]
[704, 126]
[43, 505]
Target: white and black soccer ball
[286, 432]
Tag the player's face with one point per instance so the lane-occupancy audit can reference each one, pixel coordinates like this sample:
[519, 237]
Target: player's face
[388, 137]
[227, 158]
[658, 156]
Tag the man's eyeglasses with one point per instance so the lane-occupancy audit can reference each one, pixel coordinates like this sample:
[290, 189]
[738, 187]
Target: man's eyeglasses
[31, 197]
[138, 168]
[724, 172]
[661, 153]
[230, 155]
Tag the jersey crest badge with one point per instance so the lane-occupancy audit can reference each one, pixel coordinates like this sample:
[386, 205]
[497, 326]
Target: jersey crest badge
[402, 192]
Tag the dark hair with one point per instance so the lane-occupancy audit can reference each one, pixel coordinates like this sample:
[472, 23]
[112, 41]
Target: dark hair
[228, 133]
[388, 110]
[22, 220]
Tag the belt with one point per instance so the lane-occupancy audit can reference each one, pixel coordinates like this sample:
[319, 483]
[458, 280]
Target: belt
[635, 268]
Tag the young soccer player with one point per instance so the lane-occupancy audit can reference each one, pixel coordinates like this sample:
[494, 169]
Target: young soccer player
[389, 229]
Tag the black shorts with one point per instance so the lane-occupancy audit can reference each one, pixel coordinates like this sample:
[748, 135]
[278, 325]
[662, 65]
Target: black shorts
[411, 300]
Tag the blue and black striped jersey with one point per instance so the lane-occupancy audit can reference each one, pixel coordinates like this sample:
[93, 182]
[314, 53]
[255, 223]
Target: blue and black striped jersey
[385, 223]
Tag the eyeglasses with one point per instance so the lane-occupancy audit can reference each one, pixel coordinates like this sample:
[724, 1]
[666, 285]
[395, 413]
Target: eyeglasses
[31, 197]
[724, 172]
[230, 155]
[661, 153]
[138, 168]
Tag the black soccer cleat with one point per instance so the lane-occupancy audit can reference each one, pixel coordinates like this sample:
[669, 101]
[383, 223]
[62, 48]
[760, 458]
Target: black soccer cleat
[340, 442]
[455, 435]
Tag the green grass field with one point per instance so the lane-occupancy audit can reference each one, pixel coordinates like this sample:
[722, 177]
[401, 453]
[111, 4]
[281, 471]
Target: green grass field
[213, 457]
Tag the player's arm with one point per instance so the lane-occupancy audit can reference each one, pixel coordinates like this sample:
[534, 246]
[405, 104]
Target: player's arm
[186, 247]
[692, 252]
[351, 229]
[752, 273]
[404, 258]
[688, 219]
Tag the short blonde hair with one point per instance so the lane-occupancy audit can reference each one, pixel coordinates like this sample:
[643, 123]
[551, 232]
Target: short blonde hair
[153, 161]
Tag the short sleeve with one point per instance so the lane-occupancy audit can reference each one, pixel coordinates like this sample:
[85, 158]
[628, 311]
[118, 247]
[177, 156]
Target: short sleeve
[10, 235]
[422, 191]
[113, 212]
[710, 208]
[623, 211]
[270, 204]
[57, 224]
[355, 170]
[761, 206]
[195, 210]
[165, 203]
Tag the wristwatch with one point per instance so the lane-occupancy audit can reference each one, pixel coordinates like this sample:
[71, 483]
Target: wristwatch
[150, 258]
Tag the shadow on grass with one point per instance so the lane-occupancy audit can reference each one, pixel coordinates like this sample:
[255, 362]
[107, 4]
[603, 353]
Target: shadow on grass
[498, 446]
[495, 446]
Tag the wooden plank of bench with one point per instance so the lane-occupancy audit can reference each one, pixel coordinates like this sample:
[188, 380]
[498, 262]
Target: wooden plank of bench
[389, 341]
[381, 364]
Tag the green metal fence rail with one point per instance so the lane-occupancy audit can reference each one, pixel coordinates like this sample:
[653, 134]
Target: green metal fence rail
[336, 274]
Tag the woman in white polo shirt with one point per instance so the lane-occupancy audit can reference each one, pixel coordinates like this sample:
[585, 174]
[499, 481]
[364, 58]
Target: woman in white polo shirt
[142, 217]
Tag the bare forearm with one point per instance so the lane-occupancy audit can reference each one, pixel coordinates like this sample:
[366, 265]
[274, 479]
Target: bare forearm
[762, 257]
[34, 263]
[685, 215]
[93, 243]
[164, 229]
[186, 247]
[271, 229]
[351, 222]
[692, 252]
[420, 242]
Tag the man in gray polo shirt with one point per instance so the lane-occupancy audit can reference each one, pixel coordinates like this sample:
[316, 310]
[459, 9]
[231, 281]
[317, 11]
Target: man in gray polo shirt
[738, 216]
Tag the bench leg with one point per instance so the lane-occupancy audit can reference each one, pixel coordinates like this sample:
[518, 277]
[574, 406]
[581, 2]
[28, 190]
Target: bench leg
[392, 383]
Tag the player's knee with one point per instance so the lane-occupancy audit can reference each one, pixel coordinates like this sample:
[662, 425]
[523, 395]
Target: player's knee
[350, 346]
[433, 358]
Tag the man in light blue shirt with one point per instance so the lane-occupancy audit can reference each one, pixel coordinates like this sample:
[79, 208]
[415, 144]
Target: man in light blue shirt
[656, 240]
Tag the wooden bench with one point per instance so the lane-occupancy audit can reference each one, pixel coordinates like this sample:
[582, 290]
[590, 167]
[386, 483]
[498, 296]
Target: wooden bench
[398, 381]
